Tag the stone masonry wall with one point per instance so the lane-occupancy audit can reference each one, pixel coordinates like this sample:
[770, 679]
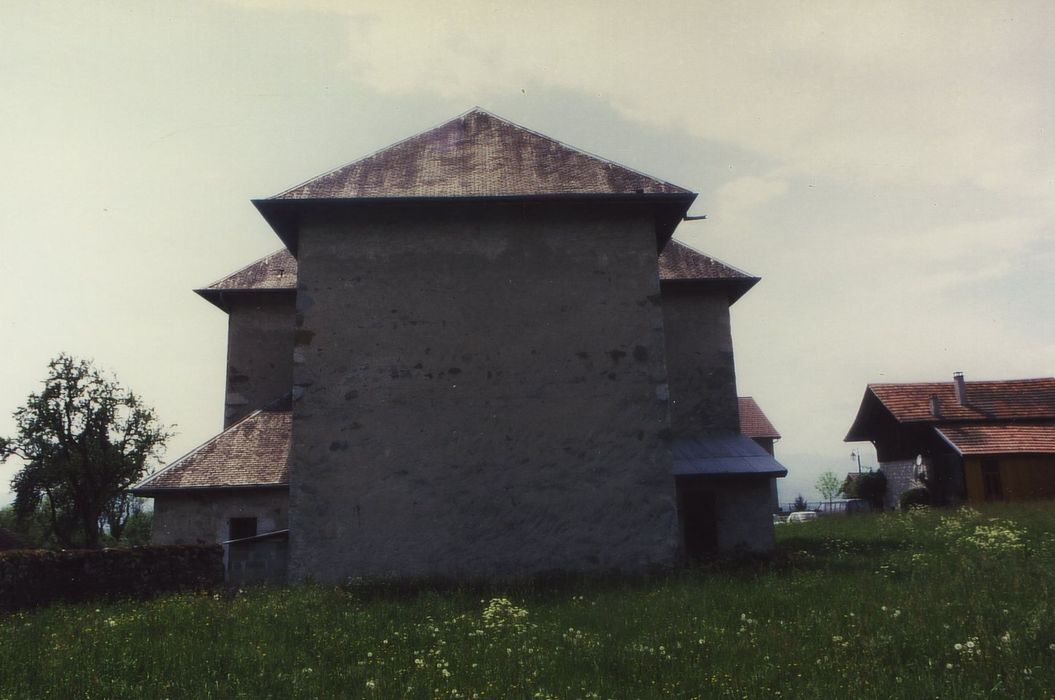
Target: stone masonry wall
[202, 518]
[257, 561]
[483, 395]
[900, 477]
[745, 517]
[259, 352]
[700, 362]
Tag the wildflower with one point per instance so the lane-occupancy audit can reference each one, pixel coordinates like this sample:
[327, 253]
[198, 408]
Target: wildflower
[371, 685]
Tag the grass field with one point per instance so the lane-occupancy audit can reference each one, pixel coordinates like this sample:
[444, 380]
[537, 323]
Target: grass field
[953, 604]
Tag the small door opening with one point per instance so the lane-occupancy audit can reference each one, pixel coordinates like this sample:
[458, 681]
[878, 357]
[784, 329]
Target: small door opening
[992, 488]
[699, 519]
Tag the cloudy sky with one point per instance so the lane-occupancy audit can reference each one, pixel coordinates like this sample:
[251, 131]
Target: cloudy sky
[888, 169]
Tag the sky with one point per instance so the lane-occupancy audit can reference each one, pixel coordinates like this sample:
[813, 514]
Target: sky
[887, 169]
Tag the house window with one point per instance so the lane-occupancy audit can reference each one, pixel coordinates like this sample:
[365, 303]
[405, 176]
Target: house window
[991, 486]
[240, 528]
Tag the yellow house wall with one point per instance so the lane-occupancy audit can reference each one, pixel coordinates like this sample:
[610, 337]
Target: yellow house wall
[1023, 477]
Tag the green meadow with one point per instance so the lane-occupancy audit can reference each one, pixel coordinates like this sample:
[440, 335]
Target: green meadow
[931, 604]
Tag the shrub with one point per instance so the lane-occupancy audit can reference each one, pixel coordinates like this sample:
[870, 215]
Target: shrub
[869, 486]
[918, 496]
[800, 504]
[38, 577]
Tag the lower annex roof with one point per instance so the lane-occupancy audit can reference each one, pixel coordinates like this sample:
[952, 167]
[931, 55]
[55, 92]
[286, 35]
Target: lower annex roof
[252, 453]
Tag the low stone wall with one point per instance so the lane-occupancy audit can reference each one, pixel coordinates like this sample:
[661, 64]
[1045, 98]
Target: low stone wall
[900, 477]
[745, 516]
[38, 577]
[255, 561]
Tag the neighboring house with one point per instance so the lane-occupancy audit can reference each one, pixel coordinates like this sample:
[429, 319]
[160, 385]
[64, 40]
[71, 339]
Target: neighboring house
[495, 363]
[970, 441]
[755, 425]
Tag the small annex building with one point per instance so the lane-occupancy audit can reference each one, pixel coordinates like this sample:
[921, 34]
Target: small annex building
[480, 354]
[756, 425]
[968, 441]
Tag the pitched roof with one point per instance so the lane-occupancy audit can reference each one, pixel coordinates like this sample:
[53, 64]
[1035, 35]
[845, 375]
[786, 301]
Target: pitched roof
[680, 263]
[254, 452]
[1014, 399]
[753, 423]
[990, 439]
[478, 154]
[276, 272]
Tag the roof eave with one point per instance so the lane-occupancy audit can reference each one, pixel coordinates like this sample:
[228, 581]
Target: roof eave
[857, 432]
[220, 297]
[151, 492]
[283, 215]
[736, 287]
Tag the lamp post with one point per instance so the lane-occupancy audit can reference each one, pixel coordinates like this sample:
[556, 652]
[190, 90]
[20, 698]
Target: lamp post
[855, 455]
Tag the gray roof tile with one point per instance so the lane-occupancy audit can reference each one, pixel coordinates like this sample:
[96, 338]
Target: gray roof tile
[254, 452]
[478, 155]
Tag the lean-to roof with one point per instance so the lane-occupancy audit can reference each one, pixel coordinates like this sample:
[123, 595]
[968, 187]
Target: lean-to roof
[252, 453]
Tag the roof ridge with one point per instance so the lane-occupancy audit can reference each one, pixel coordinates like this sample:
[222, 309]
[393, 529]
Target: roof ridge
[968, 381]
[605, 163]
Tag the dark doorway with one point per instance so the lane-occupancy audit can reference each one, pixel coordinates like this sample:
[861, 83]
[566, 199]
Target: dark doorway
[699, 522]
[991, 485]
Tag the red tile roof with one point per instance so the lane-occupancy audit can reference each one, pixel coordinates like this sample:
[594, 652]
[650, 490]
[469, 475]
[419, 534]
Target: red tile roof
[478, 155]
[1014, 399]
[999, 439]
[254, 452]
[753, 423]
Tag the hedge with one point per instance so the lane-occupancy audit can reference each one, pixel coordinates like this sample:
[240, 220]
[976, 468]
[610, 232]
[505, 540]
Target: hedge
[32, 577]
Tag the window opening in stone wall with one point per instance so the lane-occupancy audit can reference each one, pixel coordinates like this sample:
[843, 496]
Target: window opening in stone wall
[240, 528]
